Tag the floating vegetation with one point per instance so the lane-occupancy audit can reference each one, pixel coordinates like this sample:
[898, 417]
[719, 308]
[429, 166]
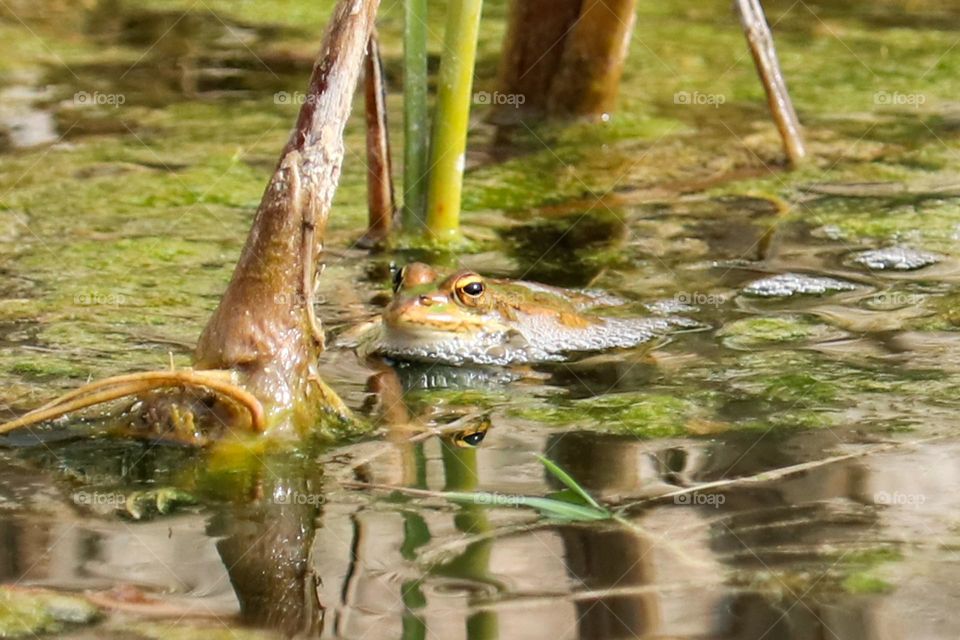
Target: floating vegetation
[896, 259]
[796, 284]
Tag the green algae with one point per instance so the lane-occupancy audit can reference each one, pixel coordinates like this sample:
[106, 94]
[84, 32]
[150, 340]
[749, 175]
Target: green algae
[796, 387]
[762, 331]
[644, 415]
[856, 572]
[27, 613]
[864, 568]
[864, 583]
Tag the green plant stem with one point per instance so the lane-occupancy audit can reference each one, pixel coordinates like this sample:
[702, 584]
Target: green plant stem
[415, 118]
[452, 119]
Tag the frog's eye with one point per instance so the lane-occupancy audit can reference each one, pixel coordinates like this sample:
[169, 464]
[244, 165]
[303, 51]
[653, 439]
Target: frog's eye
[470, 288]
[473, 289]
[473, 439]
[398, 279]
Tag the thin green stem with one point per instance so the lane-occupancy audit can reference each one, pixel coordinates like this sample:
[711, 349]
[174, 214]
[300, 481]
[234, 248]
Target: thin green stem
[452, 119]
[415, 117]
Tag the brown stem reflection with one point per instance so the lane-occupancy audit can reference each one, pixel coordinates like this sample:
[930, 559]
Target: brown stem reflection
[599, 559]
[266, 548]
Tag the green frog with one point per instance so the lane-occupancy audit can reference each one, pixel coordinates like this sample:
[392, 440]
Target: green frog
[464, 318]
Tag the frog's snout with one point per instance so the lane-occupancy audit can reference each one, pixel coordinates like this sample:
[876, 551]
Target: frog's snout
[427, 300]
[413, 309]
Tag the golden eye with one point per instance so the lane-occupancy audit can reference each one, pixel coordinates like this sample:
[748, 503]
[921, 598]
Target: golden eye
[471, 436]
[398, 279]
[470, 288]
[473, 289]
[472, 439]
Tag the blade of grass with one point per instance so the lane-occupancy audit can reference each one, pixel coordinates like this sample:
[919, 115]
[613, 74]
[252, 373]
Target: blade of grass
[568, 481]
[556, 508]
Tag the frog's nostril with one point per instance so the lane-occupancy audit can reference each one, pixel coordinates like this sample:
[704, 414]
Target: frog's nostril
[426, 301]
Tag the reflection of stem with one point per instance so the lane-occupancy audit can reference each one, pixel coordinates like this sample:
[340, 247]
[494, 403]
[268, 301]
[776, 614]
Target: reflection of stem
[414, 626]
[266, 544]
[460, 471]
[415, 535]
[351, 581]
[765, 57]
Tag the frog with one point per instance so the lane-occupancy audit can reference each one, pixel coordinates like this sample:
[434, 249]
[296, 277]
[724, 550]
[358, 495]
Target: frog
[465, 318]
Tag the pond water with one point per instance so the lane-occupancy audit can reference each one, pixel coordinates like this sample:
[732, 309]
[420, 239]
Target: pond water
[135, 140]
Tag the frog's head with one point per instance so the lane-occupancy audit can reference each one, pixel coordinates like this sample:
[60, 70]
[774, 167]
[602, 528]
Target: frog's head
[423, 303]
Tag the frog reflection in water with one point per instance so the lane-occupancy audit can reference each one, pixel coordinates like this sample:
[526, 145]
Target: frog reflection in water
[465, 318]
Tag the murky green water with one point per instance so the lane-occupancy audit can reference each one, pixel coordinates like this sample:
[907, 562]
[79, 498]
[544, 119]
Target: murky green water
[136, 138]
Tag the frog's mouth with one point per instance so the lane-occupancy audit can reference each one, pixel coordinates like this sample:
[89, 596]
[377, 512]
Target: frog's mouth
[434, 333]
[433, 329]
[436, 321]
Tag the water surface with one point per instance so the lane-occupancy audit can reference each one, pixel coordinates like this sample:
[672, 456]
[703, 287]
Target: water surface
[136, 139]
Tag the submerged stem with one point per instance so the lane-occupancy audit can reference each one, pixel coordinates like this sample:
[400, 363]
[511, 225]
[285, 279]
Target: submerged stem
[452, 119]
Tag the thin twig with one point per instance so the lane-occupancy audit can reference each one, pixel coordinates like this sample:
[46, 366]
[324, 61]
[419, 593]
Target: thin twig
[380, 197]
[768, 66]
[775, 474]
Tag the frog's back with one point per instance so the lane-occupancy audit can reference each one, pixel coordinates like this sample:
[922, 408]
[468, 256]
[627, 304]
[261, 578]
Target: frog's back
[545, 338]
[570, 300]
